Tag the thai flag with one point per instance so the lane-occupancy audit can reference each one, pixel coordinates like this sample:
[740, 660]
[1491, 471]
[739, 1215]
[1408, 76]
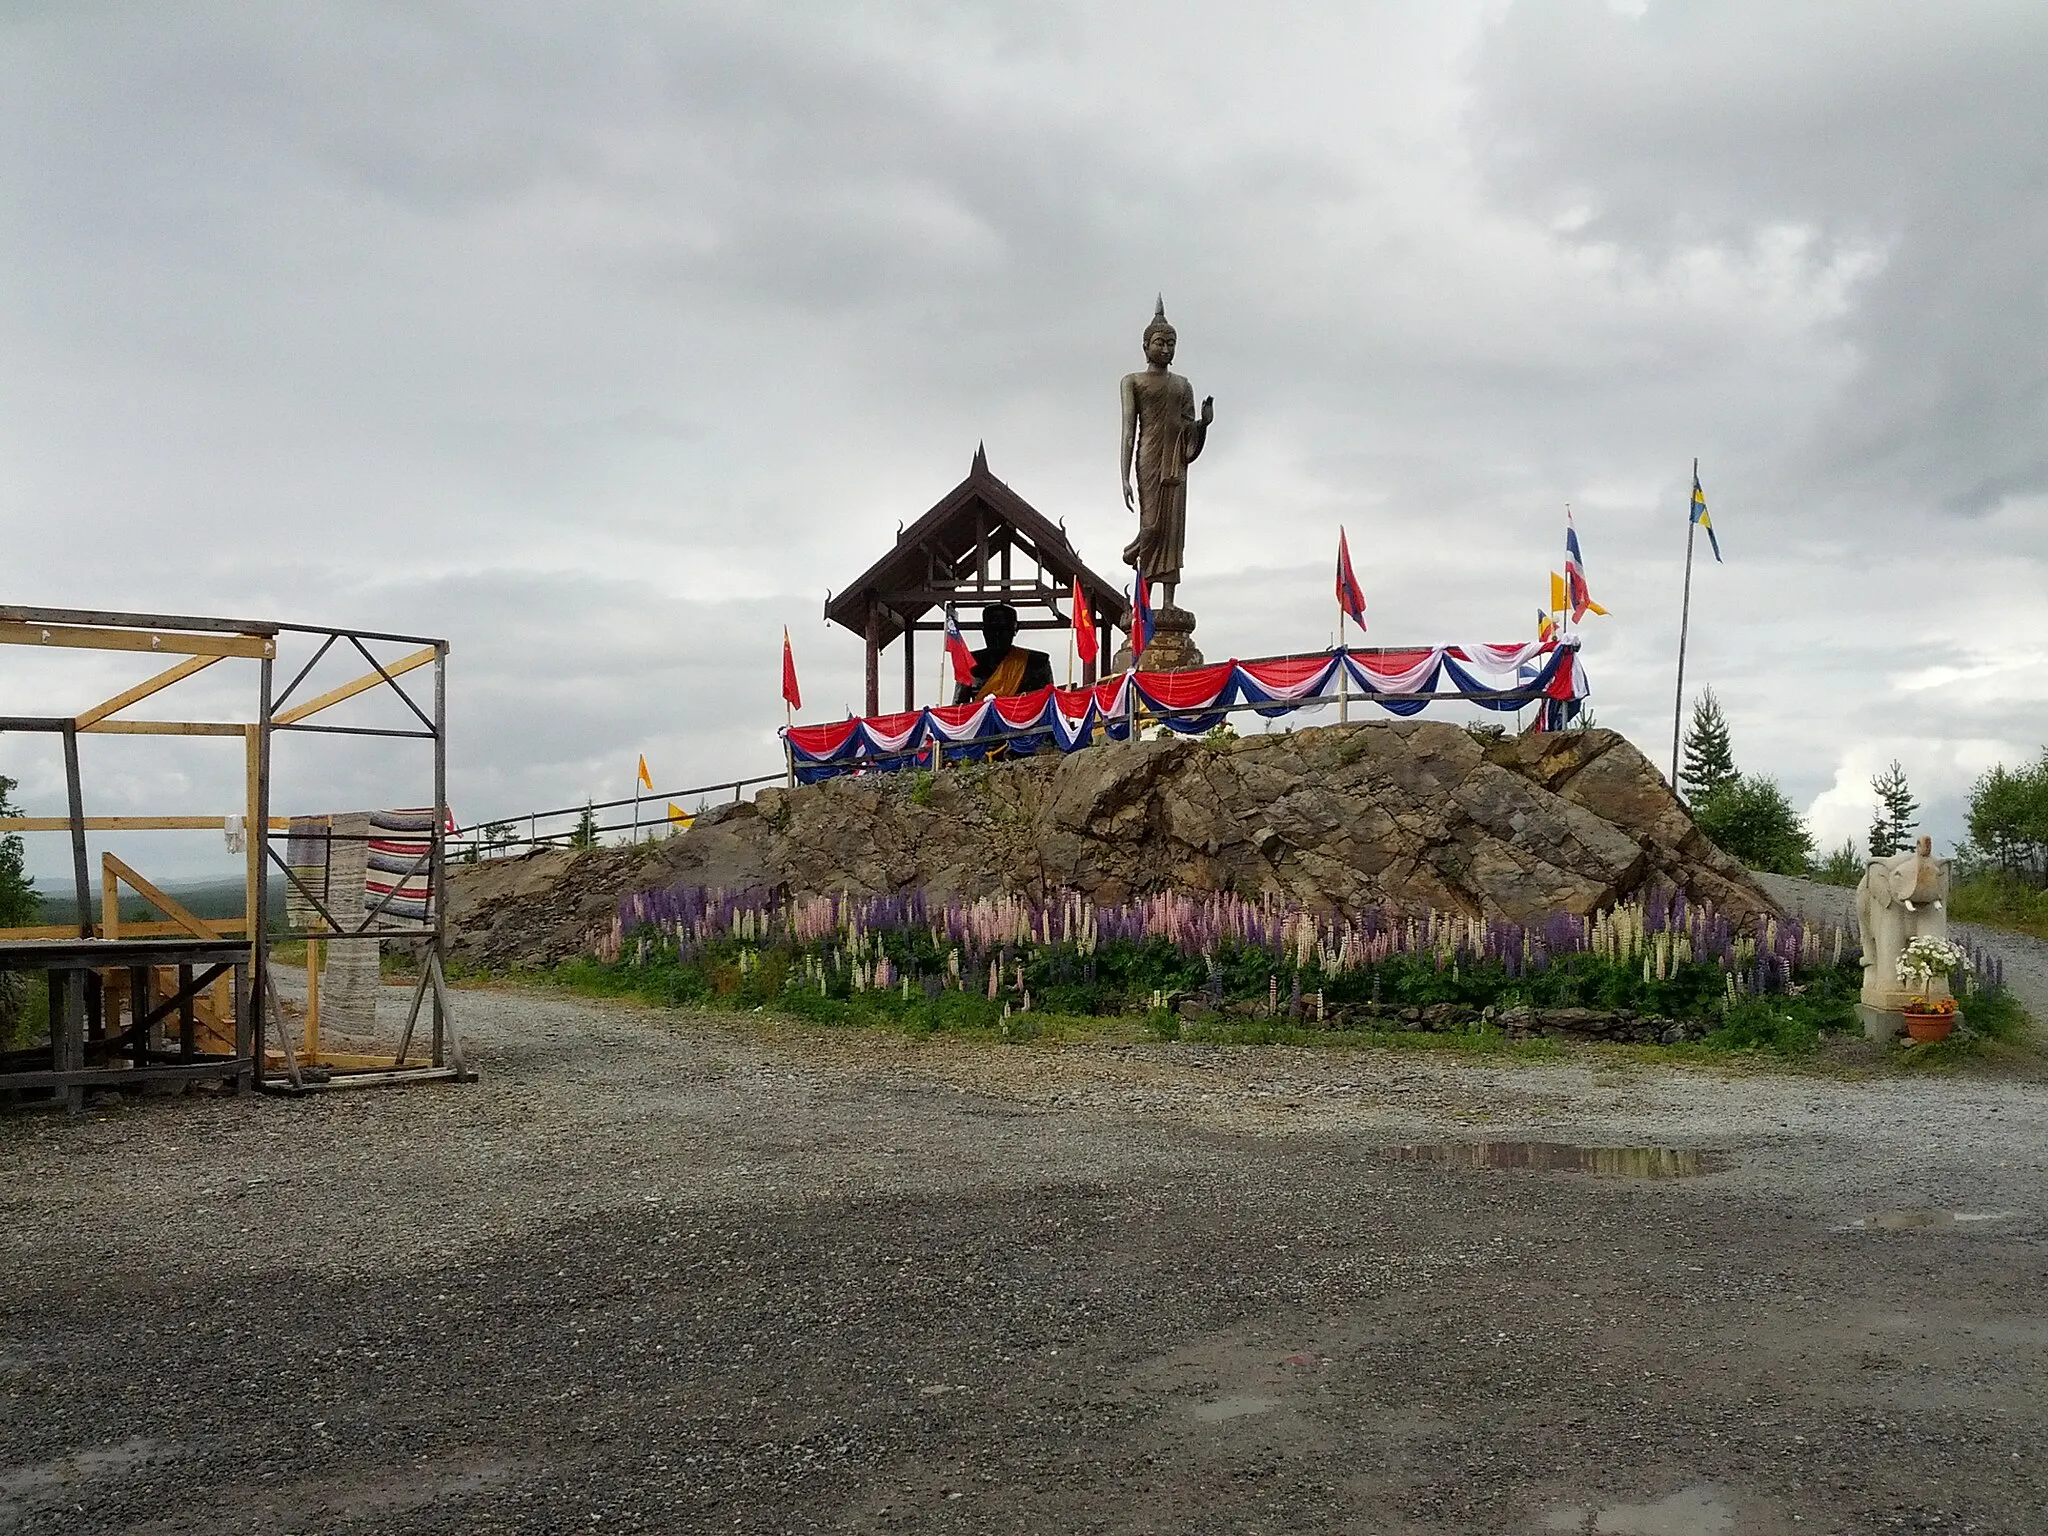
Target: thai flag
[1350, 596]
[956, 649]
[1141, 620]
[1575, 574]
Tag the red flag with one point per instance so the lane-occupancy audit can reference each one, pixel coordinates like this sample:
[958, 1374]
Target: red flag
[1084, 625]
[790, 695]
[1350, 596]
[956, 650]
[1141, 620]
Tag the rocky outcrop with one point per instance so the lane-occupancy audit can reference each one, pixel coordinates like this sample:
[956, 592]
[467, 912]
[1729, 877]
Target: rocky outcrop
[1407, 814]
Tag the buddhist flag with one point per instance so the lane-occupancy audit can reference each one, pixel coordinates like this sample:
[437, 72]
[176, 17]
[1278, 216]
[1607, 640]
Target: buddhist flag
[679, 816]
[1546, 626]
[645, 777]
[790, 694]
[1575, 574]
[1699, 513]
[1141, 621]
[1084, 626]
[956, 650]
[1350, 596]
[1558, 601]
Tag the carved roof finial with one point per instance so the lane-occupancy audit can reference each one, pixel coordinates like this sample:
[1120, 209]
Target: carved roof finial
[981, 458]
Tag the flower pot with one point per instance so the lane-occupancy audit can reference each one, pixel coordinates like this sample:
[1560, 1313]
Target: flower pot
[1929, 1027]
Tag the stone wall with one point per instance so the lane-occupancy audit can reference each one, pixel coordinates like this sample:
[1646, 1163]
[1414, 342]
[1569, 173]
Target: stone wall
[1407, 814]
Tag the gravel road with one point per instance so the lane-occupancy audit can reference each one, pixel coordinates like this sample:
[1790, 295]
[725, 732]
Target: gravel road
[661, 1273]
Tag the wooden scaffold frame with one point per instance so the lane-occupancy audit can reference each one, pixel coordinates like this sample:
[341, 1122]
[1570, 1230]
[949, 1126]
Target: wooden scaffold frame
[95, 967]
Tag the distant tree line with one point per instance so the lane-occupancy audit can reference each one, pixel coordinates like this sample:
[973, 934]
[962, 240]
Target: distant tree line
[2009, 821]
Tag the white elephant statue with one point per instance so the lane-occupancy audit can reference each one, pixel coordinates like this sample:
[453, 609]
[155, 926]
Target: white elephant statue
[1899, 899]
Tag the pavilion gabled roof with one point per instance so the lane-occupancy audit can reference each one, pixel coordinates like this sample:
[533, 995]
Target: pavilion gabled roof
[964, 550]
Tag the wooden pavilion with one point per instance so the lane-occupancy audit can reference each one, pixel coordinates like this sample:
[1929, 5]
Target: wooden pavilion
[981, 544]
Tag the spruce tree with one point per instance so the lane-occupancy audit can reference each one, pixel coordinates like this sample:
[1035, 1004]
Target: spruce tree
[1709, 759]
[1892, 827]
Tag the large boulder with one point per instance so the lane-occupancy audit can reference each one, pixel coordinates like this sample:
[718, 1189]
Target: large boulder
[1404, 814]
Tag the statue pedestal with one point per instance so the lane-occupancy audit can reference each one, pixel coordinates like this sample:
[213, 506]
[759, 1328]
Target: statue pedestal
[1172, 648]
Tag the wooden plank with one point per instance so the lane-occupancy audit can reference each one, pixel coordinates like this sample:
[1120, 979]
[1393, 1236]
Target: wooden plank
[162, 728]
[128, 823]
[392, 1078]
[363, 684]
[143, 690]
[168, 642]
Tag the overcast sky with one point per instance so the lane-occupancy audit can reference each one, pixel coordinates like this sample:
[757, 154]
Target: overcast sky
[604, 340]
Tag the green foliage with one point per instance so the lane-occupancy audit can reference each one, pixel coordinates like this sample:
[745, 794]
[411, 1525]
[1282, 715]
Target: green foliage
[2009, 819]
[921, 785]
[1752, 819]
[585, 835]
[18, 901]
[1893, 825]
[1138, 984]
[19, 908]
[1219, 736]
[2000, 900]
[1764, 1024]
[1841, 866]
[1709, 757]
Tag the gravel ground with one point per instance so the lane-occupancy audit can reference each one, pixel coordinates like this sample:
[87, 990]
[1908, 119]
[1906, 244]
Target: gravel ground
[661, 1273]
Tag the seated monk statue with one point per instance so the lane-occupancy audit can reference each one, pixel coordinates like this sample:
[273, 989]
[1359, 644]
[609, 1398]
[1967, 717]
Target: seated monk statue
[1001, 667]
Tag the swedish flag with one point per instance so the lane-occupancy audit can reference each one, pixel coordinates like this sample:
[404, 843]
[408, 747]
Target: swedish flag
[1699, 515]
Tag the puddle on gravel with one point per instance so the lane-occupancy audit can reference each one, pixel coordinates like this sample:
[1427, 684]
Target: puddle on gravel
[1563, 1157]
[1217, 1409]
[1690, 1512]
[1911, 1220]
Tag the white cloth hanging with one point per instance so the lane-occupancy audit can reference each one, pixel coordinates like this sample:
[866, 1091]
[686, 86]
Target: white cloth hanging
[238, 839]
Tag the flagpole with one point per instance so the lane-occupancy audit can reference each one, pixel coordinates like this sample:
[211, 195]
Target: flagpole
[1684, 622]
[1343, 674]
[636, 807]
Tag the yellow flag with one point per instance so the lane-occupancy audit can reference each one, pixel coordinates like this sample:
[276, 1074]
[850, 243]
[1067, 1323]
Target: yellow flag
[1558, 601]
[645, 777]
[678, 815]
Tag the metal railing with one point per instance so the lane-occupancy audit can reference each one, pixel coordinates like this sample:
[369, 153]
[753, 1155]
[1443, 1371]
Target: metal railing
[500, 835]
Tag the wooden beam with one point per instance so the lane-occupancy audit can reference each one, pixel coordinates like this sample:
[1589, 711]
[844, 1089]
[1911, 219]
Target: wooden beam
[128, 823]
[161, 728]
[157, 684]
[173, 644]
[216, 928]
[112, 869]
[362, 684]
[20, 615]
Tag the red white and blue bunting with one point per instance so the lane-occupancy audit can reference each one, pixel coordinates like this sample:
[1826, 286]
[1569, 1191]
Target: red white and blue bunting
[1404, 682]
